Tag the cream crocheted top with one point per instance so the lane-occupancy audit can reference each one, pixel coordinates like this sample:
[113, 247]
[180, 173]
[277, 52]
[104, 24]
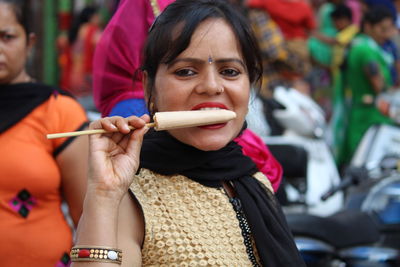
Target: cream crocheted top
[188, 224]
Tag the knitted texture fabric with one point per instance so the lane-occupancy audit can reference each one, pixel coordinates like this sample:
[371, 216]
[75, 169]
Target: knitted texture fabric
[188, 224]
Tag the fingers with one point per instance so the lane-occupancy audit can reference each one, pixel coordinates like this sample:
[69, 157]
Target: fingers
[120, 124]
[137, 135]
[146, 118]
[135, 142]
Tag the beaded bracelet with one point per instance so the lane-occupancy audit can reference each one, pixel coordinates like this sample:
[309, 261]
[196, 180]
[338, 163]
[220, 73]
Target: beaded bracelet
[96, 253]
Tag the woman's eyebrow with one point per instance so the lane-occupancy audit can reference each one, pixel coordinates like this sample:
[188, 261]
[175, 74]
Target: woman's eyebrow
[5, 30]
[186, 59]
[200, 61]
[228, 60]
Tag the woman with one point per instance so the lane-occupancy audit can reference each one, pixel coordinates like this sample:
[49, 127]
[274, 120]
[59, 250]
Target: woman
[196, 199]
[118, 57]
[36, 174]
[83, 37]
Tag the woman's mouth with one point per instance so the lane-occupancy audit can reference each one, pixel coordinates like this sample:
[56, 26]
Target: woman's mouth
[211, 106]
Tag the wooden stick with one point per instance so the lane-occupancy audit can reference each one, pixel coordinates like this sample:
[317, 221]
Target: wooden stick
[95, 131]
[170, 120]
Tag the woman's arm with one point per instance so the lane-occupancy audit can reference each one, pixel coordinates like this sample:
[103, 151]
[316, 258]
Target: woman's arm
[73, 161]
[110, 218]
[112, 224]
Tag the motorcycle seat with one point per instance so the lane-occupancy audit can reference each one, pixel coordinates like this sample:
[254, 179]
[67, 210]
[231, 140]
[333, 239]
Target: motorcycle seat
[293, 159]
[341, 230]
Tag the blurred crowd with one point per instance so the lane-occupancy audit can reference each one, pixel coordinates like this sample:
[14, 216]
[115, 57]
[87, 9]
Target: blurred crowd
[306, 44]
[341, 53]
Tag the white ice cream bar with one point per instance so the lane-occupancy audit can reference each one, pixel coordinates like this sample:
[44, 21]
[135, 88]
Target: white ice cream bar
[171, 120]
[184, 119]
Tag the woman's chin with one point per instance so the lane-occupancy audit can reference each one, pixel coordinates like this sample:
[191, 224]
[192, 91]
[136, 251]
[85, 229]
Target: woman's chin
[211, 145]
[206, 140]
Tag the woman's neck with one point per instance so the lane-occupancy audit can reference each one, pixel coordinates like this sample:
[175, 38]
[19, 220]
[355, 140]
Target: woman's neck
[23, 77]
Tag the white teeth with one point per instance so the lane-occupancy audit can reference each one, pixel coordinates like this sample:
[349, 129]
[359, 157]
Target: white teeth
[210, 108]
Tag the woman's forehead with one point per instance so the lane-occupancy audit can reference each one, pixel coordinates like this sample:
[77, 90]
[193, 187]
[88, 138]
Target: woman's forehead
[7, 12]
[213, 36]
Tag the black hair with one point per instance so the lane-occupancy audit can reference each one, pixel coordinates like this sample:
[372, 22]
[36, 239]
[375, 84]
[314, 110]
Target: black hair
[162, 47]
[21, 11]
[83, 17]
[375, 15]
[342, 12]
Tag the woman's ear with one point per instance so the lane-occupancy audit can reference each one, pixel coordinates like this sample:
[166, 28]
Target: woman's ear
[31, 41]
[148, 93]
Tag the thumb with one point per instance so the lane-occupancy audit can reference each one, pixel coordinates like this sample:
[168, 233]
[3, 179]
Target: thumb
[135, 142]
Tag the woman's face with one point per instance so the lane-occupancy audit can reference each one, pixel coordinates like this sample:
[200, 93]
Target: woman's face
[209, 74]
[14, 47]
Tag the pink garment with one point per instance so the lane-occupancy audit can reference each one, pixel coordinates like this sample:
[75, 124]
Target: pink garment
[254, 147]
[356, 10]
[118, 54]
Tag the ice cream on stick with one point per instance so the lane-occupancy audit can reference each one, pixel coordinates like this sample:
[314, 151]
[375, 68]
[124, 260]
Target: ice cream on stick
[170, 120]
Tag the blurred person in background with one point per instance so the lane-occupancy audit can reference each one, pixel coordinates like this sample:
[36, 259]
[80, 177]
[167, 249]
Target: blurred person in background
[296, 20]
[117, 88]
[342, 17]
[281, 67]
[391, 45]
[83, 37]
[366, 74]
[320, 51]
[36, 174]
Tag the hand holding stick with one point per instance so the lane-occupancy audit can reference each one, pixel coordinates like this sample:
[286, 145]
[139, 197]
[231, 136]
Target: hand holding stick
[170, 120]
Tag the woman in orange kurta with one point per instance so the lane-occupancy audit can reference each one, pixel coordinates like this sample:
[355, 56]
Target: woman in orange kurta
[36, 174]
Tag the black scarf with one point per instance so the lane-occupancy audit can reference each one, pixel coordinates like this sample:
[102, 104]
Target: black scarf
[165, 155]
[18, 100]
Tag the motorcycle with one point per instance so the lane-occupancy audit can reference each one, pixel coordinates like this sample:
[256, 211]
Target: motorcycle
[293, 127]
[366, 232]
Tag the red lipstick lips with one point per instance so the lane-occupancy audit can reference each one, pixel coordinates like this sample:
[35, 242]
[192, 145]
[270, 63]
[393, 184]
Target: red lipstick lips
[211, 105]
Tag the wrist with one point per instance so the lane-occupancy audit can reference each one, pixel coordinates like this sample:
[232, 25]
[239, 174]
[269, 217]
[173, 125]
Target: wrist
[105, 192]
[100, 200]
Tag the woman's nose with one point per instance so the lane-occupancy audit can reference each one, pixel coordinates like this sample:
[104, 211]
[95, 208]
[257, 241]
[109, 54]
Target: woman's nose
[210, 83]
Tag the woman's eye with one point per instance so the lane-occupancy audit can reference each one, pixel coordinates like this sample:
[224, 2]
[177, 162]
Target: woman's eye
[184, 72]
[230, 72]
[7, 37]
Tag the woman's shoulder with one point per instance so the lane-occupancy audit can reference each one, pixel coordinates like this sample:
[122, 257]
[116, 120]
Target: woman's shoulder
[65, 102]
[145, 178]
[263, 180]
[63, 112]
